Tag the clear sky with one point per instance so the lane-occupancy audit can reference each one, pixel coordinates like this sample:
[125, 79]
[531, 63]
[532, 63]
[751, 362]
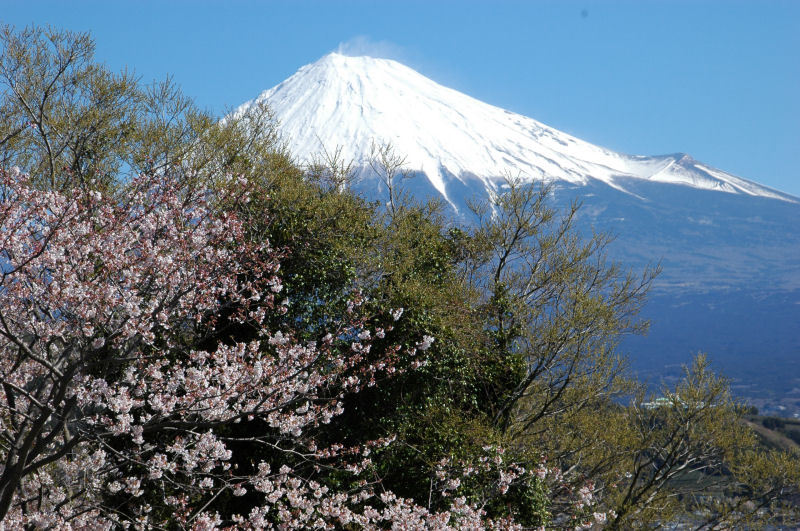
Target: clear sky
[717, 79]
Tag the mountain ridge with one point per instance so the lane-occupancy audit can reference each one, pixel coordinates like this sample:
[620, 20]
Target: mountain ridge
[729, 248]
[351, 102]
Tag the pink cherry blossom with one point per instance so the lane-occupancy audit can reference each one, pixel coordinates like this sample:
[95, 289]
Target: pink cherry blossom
[102, 392]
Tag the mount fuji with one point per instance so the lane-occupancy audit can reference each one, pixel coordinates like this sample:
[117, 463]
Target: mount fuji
[709, 228]
[729, 247]
[452, 138]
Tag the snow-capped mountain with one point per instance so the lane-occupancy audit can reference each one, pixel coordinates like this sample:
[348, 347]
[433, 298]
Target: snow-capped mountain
[706, 226]
[729, 247]
[454, 140]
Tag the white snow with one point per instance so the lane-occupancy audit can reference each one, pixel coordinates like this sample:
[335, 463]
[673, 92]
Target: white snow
[352, 102]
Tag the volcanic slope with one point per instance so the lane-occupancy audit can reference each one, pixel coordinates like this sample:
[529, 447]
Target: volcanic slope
[708, 228]
[729, 248]
[459, 144]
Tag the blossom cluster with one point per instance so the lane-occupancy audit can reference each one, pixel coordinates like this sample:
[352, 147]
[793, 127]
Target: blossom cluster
[107, 396]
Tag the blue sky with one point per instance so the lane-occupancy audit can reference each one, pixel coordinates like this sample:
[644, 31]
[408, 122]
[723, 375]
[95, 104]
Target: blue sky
[717, 79]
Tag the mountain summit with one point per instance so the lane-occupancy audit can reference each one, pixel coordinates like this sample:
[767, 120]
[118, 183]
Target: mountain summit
[707, 227]
[454, 140]
[729, 248]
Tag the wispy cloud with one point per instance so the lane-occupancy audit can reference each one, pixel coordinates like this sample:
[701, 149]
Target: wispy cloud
[364, 45]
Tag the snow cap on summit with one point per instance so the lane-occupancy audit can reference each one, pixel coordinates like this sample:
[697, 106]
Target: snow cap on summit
[454, 140]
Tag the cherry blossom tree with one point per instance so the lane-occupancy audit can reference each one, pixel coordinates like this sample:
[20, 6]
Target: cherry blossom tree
[111, 414]
[94, 291]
